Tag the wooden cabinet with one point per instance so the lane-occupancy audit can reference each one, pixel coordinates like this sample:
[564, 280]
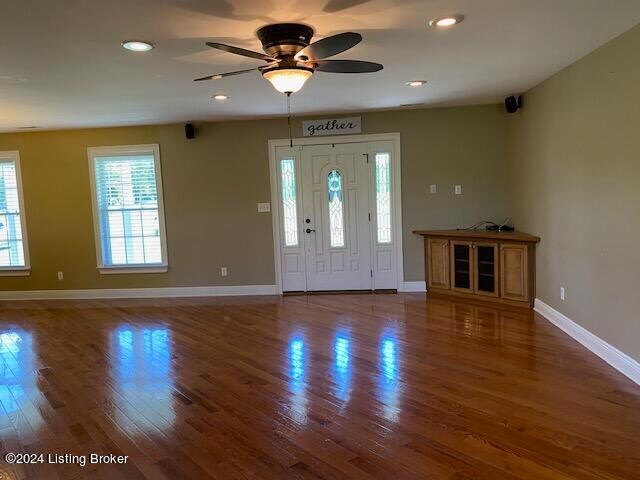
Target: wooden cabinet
[494, 266]
[514, 272]
[438, 261]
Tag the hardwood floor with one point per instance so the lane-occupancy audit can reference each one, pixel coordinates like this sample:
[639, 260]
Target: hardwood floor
[351, 386]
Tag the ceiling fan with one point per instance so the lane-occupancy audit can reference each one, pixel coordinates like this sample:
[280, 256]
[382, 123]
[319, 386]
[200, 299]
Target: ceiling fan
[292, 59]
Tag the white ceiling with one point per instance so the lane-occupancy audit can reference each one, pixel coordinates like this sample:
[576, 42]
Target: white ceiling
[62, 66]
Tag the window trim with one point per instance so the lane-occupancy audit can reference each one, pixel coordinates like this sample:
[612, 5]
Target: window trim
[154, 149]
[14, 156]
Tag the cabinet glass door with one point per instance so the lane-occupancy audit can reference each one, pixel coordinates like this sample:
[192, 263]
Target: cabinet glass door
[486, 266]
[462, 266]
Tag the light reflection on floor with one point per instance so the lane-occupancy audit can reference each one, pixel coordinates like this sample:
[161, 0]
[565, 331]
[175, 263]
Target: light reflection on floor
[141, 364]
[342, 367]
[389, 383]
[297, 379]
[18, 375]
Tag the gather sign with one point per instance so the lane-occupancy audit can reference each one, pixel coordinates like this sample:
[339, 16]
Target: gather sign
[331, 126]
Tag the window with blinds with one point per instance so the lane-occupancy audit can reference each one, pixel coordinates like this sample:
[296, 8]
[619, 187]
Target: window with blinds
[13, 245]
[128, 207]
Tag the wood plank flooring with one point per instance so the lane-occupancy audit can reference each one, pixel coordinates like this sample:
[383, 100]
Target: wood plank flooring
[337, 386]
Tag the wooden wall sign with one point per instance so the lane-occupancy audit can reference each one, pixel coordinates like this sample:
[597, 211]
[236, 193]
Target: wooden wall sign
[331, 126]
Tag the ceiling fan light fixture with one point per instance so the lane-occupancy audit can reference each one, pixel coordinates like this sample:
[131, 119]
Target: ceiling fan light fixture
[137, 45]
[288, 80]
[446, 21]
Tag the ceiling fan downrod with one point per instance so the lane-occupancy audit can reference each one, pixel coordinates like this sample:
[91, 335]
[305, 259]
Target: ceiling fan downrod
[288, 94]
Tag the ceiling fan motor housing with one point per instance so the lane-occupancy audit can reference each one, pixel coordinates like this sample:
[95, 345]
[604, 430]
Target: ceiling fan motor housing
[284, 39]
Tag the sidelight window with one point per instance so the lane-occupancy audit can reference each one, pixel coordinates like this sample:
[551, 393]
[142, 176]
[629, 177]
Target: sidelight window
[383, 197]
[289, 201]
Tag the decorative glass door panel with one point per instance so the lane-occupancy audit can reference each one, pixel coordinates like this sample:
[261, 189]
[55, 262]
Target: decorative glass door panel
[486, 267]
[461, 266]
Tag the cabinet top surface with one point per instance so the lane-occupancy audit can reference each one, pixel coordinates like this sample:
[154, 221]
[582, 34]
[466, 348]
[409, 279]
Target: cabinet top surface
[514, 236]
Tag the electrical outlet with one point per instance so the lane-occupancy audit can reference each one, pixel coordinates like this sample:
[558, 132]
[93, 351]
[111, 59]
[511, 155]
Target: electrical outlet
[60, 276]
[223, 271]
[264, 207]
[433, 188]
[562, 293]
[458, 189]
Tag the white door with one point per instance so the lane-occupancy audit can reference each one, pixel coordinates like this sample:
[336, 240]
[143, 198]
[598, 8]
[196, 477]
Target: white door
[336, 220]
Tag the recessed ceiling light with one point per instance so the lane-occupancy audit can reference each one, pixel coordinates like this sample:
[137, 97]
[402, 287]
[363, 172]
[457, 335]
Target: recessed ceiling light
[416, 83]
[137, 45]
[220, 96]
[446, 21]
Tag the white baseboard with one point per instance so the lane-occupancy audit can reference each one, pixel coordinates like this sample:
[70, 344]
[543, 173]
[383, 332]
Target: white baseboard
[419, 286]
[139, 292]
[614, 357]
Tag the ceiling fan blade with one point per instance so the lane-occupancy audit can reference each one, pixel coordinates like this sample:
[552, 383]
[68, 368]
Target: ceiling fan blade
[330, 46]
[347, 66]
[240, 51]
[218, 76]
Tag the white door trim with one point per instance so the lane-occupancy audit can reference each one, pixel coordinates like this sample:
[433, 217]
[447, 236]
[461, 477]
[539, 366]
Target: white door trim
[397, 192]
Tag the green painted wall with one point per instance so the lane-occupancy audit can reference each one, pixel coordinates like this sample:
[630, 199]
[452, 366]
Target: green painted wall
[212, 184]
[574, 176]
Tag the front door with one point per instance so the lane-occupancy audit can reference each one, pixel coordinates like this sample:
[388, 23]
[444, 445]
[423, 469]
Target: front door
[337, 241]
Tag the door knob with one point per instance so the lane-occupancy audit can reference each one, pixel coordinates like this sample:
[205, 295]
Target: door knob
[309, 230]
[308, 220]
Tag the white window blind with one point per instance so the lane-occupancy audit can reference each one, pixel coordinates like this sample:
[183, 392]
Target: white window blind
[128, 207]
[13, 249]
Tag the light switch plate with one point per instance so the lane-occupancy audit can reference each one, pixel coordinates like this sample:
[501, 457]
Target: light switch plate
[458, 189]
[264, 207]
[433, 188]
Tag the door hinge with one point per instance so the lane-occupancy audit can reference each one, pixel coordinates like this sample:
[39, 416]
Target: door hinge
[369, 217]
[366, 155]
[371, 273]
